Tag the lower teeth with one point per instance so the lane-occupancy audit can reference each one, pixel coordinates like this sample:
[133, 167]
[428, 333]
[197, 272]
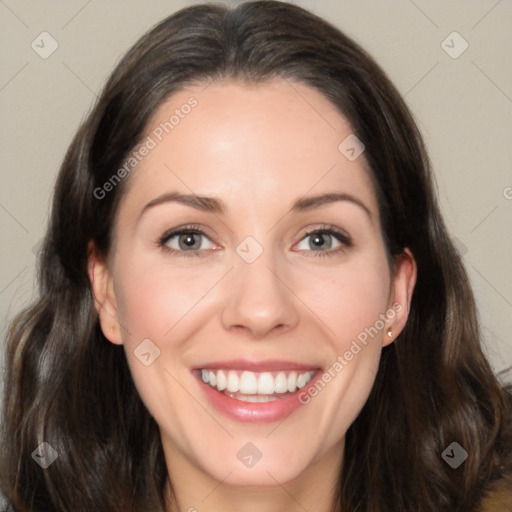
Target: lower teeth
[254, 398]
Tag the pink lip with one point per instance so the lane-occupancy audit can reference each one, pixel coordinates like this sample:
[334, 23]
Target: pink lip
[254, 412]
[256, 366]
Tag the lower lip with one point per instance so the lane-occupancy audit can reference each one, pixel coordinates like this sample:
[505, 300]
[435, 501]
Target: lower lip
[255, 412]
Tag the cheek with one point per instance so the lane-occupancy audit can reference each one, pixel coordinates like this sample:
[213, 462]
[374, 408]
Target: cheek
[153, 298]
[351, 301]
[349, 297]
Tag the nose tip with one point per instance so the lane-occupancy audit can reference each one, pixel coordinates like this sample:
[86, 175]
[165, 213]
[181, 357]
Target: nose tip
[258, 329]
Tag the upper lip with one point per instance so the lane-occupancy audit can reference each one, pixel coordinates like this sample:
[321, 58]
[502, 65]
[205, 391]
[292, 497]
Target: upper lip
[256, 366]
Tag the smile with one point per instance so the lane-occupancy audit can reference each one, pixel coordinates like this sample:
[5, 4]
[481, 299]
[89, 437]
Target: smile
[253, 387]
[255, 392]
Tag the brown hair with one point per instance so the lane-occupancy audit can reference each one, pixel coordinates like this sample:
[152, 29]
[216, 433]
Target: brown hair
[68, 386]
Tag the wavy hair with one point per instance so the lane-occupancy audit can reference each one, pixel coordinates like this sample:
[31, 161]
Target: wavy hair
[66, 385]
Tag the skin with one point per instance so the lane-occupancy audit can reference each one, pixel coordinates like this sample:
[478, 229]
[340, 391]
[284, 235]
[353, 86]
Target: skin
[258, 148]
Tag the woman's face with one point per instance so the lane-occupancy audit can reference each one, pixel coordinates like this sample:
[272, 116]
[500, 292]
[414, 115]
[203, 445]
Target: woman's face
[249, 300]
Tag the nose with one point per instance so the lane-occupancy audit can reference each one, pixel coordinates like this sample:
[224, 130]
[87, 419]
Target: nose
[259, 299]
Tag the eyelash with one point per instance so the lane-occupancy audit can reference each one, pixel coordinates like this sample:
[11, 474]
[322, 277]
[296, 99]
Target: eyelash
[194, 229]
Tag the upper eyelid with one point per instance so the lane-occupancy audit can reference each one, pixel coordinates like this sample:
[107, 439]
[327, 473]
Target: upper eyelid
[171, 233]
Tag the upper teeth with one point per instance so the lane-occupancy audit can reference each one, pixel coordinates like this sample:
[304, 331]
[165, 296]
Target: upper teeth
[251, 383]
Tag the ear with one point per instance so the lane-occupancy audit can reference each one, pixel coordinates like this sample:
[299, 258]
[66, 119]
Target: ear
[102, 286]
[402, 287]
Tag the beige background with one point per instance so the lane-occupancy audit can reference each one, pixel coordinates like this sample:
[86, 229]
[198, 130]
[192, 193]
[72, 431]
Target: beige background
[463, 107]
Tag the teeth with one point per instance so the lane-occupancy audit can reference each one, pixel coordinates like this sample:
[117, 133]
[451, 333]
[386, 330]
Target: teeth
[254, 385]
[254, 398]
[281, 383]
[248, 383]
[221, 380]
[233, 382]
[301, 381]
[265, 384]
[292, 382]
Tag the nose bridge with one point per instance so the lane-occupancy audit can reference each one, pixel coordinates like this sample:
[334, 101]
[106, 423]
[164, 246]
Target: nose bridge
[259, 300]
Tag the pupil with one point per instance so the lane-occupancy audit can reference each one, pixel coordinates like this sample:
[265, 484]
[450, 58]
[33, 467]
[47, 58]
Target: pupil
[318, 240]
[188, 239]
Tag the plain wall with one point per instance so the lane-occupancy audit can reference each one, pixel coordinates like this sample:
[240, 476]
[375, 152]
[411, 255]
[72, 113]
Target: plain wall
[463, 107]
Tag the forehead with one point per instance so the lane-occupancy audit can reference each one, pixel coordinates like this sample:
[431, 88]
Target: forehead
[250, 144]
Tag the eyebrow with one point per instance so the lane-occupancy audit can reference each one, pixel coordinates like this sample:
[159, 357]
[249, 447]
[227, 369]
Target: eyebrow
[217, 206]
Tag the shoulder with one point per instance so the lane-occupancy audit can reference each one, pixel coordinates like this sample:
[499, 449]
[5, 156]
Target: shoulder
[498, 496]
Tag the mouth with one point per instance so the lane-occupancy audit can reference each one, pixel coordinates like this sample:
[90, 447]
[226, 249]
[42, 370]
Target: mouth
[255, 392]
[253, 387]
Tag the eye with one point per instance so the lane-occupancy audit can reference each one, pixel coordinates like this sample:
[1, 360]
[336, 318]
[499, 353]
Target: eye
[187, 240]
[325, 241]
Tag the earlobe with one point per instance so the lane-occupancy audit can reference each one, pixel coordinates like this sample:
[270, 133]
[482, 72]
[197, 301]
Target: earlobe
[402, 288]
[104, 297]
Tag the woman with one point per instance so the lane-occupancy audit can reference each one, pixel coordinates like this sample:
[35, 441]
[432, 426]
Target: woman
[194, 347]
